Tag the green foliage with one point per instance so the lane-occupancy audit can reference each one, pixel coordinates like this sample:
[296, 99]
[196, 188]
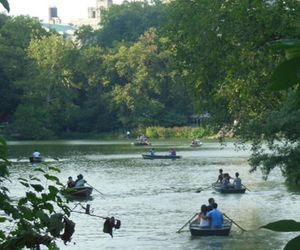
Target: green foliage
[286, 74]
[286, 226]
[15, 35]
[223, 48]
[146, 90]
[32, 123]
[37, 217]
[283, 226]
[5, 4]
[174, 132]
[128, 21]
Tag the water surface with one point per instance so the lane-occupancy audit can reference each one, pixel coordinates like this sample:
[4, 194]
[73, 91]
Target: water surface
[154, 198]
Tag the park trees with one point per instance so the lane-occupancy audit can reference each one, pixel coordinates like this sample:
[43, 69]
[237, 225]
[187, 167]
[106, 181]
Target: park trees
[145, 88]
[225, 48]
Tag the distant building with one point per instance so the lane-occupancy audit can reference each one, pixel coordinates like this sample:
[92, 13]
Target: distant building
[53, 16]
[67, 31]
[93, 14]
[102, 5]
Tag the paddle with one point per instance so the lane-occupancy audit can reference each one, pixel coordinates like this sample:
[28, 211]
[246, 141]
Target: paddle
[202, 189]
[244, 230]
[178, 231]
[246, 188]
[109, 224]
[20, 158]
[94, 188]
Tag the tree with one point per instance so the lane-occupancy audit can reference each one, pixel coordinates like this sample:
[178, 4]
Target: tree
[48, 92]
[145, 89]
[127, 21]
[223, 48]
[15, 36]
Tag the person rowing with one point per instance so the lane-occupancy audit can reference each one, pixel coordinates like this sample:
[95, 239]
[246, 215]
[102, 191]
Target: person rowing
[36, 154]
[220, 176]
[79, 181]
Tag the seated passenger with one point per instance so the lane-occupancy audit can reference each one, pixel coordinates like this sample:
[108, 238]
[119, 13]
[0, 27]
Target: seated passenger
[209, 207]
[71, 182]
[237, 182]
[220, 177]
[204, 222]
[36, 153]
[215, 217]
[80, 181]
[173, 152]
[152, 151]
[226, 181]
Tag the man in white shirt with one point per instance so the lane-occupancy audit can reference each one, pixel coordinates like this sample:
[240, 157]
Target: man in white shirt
[237, 182]
[36, 153]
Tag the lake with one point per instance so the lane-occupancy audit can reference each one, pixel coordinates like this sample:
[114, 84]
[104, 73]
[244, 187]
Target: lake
[154, 198]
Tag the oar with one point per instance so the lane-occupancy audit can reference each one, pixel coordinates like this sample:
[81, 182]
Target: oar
[178, 231]
[244, 230]
[202, 189]
[94, 188]
[20, 158]
[246, 187]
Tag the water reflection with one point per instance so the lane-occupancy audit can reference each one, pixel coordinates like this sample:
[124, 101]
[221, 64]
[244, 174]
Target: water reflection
[154, 198]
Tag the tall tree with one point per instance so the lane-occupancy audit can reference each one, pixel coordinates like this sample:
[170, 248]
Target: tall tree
[15, 36]
[145, 88]
[48, 96]
[127, 21]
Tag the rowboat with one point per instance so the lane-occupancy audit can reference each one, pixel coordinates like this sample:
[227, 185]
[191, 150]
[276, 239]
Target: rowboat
[141, 143]
[230, 190]
[35, 159]
[196, 230]
[155, 156]
[196, 143]
[78, 192]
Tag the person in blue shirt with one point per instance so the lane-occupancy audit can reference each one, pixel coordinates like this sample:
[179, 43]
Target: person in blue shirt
[215, 217]
[80, 181]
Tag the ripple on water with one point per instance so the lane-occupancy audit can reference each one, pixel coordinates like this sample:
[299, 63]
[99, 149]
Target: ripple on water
[154, 198]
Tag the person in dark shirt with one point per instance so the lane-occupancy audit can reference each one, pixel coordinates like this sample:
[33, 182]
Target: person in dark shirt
[71, 182]
[221, 176]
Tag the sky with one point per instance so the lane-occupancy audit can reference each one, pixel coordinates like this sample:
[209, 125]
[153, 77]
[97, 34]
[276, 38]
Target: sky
[67, 9]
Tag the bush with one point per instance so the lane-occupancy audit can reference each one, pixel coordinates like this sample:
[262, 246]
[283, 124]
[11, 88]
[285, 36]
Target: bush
[175, 132]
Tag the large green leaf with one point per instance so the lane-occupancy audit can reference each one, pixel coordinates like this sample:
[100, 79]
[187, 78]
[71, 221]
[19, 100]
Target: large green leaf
[54, 169]
[5, 4]
[37, 187]
[293, 244]
[51, 177]
[2, 219]
[291, 47]
[286, 74]
[283, 226]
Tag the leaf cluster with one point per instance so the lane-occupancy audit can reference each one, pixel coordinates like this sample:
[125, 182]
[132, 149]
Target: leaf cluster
[39, 216]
